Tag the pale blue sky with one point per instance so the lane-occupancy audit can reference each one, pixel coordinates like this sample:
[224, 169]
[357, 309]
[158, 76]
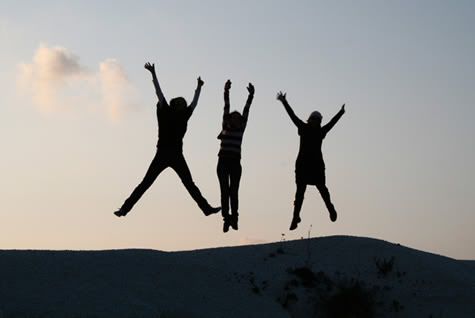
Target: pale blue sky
[400, 163]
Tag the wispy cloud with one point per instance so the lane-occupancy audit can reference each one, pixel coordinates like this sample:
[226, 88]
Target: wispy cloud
[56, 81]
[117, 93]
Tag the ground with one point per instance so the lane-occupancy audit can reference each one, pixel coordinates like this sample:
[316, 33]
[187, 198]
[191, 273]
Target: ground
[319, 277]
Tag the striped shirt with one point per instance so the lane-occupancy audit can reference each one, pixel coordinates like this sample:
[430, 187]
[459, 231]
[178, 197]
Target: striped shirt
[231, 141]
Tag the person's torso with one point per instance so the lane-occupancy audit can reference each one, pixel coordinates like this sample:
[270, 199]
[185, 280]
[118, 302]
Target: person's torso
[311, 139]
[172, 127]
[231, 140]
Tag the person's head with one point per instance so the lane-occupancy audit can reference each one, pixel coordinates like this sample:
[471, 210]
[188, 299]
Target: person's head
[235, 120]
[178, 103]
[315, 119]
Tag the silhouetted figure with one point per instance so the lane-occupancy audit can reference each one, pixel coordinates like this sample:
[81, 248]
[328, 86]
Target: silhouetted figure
[310, 167]
[172, 124]
[229, 162]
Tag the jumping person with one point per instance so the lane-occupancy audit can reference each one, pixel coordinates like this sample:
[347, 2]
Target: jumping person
[172, 123]
[229, 162]
[310, 167]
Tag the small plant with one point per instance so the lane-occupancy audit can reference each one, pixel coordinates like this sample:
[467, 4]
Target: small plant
[309, 251]
[306, 276]
[264, 284]
[310, 279]
[351, 299]
[254, 287]
[288, 299]
[280, 249]
[396, 306]
[385, 266]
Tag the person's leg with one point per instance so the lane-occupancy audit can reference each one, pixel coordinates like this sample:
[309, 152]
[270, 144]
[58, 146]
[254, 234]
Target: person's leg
[299, 195]
[326, 198]
[156, 167]
[322, 188]
[223, 177]
[181, 168]
[236, 171]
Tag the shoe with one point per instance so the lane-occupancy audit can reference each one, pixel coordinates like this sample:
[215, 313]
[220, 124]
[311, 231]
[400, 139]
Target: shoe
[234, 222]
[295, 221]
[226, 224]
[333, 215]
[210, 210]
[120, 213]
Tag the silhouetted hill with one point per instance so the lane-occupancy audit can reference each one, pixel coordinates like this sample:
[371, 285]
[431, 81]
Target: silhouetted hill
[302, 278]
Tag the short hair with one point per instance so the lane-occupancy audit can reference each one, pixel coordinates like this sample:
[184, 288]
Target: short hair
[178, 102]
[315, 115]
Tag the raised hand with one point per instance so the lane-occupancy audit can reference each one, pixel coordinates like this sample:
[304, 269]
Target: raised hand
[282, 96]
[149, 67]
[250, 89]
[227, 86]
[200, 82]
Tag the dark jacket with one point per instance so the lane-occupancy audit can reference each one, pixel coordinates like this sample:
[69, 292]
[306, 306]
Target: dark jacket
[310, 166]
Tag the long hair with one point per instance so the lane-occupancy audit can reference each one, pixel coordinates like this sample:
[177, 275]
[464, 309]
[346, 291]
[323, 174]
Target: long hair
[233, 116]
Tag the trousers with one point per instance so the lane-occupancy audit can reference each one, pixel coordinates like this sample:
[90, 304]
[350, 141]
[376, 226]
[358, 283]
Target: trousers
[229, 174]
[162, 160]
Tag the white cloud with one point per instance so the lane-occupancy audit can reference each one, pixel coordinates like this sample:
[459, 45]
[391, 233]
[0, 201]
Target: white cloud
[56, 81]
[117, 93]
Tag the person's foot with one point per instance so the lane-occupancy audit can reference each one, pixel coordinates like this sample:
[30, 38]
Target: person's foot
[333, 215]
[120, 213]
[234, 222]
[210, 210]
[295, 221]
[226, 224]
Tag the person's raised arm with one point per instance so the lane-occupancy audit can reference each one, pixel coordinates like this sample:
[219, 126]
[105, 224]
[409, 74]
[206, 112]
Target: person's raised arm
[194, 102]
[334, 120]
[245, 112]
[227, 87]
[161, 98]
[283, 98]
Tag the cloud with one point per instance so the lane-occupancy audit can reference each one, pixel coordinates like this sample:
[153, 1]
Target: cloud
[51, 70]
[56, 81]
[117, 93]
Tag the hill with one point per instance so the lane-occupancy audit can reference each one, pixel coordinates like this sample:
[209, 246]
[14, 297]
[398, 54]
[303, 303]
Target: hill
[319, 277]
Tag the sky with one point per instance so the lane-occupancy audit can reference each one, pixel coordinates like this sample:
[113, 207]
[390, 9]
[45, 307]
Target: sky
[78, 125]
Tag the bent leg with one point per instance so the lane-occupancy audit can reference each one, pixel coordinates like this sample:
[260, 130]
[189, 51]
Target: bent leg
[181, 168]
[299, 195]
[322, 188]
[155, 168]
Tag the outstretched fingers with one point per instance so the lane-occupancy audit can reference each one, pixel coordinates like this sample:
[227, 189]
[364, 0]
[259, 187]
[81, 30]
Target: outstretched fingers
[150, 67]
[281, 96]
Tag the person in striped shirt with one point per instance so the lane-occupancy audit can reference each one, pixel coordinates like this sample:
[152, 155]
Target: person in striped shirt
[229, 162]
[309, 166]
